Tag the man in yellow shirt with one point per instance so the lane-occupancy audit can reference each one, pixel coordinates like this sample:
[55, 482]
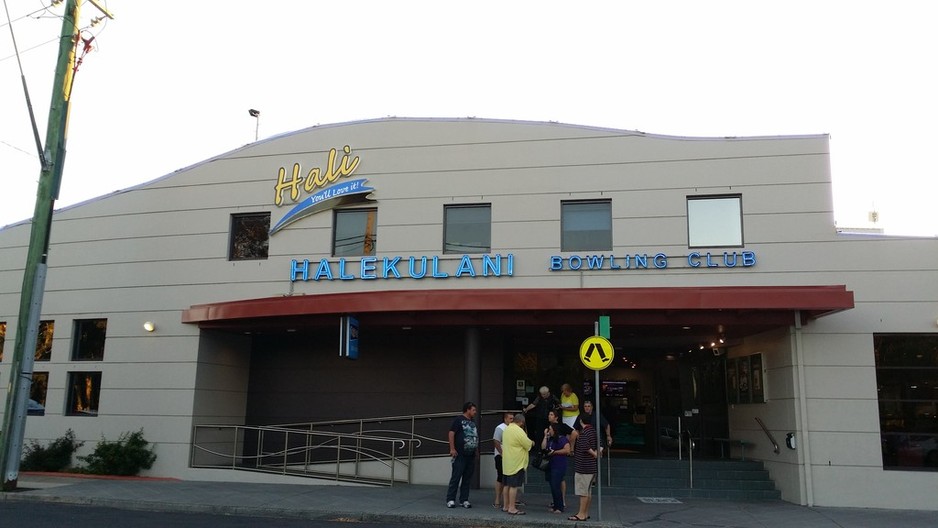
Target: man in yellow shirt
[515, 448]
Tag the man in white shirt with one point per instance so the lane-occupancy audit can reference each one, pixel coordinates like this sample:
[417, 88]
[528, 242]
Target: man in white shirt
[507, 418]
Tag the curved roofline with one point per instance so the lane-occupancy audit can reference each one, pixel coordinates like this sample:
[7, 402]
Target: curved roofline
[229, 153]
[624, 132]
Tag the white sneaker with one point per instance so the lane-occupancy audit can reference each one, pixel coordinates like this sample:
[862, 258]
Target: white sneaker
[450, 504]
[465, 504]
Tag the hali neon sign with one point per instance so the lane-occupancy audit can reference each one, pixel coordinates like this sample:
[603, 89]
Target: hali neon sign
[317, 178]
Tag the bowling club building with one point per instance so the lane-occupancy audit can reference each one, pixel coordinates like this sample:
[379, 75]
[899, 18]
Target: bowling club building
[476, 255]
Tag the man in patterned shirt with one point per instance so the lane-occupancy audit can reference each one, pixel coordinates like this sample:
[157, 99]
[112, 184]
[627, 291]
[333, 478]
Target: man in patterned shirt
[585, 466]
[463, 441]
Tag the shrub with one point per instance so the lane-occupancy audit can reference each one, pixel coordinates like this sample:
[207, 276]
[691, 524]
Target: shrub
[54, 457]
[127, 456]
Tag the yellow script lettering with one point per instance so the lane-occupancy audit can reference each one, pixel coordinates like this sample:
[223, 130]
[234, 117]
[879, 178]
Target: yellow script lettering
[282, 184]
[347, 169]
[316, 178]
[313, 180]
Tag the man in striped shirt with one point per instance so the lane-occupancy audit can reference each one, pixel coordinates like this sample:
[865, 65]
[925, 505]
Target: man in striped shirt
[585, 466]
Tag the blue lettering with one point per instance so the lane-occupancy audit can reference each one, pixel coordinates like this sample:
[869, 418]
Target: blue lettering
[612, 263]
[511, 264]
[423, 268]
[303, 270]
[493, 265]
[556, 263]
[711, 264]
[693, 260]
[368, 267]
[437, 274]
[641, 261]
[661, 261]
[749, 259]
[595, 261]
[726, 259]
[465, 266]
[579, 262]
[323, 270]
[342, 274]
[390, 266]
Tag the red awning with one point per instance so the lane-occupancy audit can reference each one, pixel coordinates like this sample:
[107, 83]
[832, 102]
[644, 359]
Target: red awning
[754, 305]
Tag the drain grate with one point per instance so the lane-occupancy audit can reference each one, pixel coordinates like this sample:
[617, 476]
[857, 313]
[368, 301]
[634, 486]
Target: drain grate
[659, 500]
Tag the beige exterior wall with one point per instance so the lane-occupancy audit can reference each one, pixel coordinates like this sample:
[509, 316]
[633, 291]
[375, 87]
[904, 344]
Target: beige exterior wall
[150, 252]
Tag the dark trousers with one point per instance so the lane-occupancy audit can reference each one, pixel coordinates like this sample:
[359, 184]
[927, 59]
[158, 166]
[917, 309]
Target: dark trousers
[463, 468]
[556, 477]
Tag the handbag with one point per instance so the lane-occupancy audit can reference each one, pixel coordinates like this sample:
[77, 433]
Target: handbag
[540, 460]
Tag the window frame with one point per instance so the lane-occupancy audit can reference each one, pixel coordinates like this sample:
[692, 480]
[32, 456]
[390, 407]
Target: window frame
[41, 341]
[39, 387]
[367, 239]
[907, 385]
[93, 398]
[566, 245]
[78, 339]
[694, 244]
[448, 227]
[236, 227]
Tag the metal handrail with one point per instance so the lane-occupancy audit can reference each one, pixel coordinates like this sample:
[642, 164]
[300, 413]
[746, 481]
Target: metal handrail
[771, 438]
[301, 442]
[298, 459]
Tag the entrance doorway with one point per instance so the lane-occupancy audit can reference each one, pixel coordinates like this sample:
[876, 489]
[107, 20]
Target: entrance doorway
[642, 395]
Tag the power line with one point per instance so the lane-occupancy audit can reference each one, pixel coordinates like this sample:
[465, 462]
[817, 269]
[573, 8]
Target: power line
[29, 104]
[56, 39]
[27, 15]
[14, 147]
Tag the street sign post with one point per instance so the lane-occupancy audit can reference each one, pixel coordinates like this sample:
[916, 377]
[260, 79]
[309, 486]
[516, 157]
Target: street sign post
[597, 353]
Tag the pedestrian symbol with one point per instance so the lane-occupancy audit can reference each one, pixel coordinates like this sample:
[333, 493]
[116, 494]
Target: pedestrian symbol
[596, 352]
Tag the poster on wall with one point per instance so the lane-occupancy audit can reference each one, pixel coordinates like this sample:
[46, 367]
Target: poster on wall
[732, 389]
[758, 388]
[744, 386]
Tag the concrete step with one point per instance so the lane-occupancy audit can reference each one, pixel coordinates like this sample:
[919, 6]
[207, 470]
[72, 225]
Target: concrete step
[724, 479]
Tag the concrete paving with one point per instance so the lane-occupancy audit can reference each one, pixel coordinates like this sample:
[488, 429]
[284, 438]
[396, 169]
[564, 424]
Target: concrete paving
[414, 505]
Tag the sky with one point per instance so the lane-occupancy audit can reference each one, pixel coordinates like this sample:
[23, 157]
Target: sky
[170, 83]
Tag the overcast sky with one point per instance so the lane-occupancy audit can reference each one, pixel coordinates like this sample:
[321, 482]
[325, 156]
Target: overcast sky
[170, 82]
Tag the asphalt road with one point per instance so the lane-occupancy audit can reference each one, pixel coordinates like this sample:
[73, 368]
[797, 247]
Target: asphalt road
[44, 515]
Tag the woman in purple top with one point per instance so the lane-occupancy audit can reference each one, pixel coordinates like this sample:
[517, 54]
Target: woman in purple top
[558, 448]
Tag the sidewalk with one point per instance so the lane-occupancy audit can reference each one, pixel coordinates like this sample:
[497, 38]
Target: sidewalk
[425, 505]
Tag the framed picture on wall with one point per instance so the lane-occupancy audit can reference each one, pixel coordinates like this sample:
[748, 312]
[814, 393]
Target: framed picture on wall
[744, 379]
[756, 381]
[732, 385]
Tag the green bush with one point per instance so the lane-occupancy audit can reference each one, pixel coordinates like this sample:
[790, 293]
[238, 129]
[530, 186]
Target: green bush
[127, 456]
[54, 457]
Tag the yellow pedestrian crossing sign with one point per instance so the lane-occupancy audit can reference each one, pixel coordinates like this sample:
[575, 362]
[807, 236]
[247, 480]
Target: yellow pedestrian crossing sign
[596, 352]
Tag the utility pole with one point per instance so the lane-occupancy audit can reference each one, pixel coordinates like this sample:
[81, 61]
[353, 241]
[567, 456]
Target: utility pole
[34, 275]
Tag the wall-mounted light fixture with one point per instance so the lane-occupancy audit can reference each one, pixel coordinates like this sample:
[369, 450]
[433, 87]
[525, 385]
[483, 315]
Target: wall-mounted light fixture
[149, 326]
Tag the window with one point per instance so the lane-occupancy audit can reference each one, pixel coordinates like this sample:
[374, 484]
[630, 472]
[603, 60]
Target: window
[44, 341]
[355, 232]
[3, 337]
[467, 228]
[249, 236]
[37, 393]
[907, 384]
[84, 388]
[586, 225]
[715, 221]
[88, 339]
